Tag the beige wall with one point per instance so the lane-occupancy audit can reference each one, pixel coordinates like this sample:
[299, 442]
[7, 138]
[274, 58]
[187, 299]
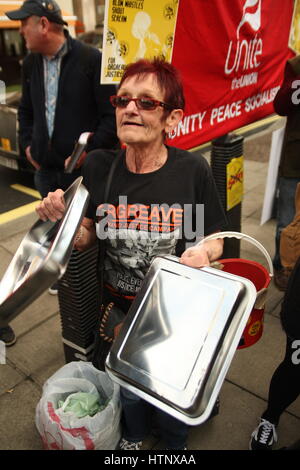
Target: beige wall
[99, 7]
[89, 12]
[67, 6]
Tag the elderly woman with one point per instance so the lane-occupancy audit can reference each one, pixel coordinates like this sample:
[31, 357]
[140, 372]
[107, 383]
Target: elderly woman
[153, 207]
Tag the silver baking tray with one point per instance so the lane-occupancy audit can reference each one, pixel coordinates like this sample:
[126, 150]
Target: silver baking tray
[42, 256]
[179, 337]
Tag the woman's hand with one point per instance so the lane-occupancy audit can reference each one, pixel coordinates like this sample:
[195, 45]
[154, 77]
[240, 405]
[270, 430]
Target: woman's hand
[202, 254]
[52, 207]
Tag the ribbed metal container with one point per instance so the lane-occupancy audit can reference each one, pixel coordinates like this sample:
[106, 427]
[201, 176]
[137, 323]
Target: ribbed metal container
[79, 302]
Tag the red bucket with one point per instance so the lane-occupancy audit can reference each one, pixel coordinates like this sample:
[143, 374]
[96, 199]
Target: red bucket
[256, 273]
[260, 277]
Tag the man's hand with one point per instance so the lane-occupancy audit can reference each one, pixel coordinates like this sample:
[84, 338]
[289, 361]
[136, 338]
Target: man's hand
[52, 207]
[30, 159]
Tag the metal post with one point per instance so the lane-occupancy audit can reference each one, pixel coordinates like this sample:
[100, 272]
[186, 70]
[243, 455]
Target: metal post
[224, 150]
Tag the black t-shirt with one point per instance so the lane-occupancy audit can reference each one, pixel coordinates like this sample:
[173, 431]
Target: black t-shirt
[149, 214]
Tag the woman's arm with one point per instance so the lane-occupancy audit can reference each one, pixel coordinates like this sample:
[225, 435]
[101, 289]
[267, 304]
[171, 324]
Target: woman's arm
[86, 236]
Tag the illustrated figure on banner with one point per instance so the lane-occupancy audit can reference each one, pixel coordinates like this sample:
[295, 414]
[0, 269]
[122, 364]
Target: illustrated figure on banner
[149, 43]
[114, 51]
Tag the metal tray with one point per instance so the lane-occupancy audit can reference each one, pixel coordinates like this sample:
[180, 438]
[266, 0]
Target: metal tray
[179, 337]
[42, 256]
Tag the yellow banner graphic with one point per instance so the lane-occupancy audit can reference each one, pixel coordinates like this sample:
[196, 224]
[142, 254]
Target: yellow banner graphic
[136, 29]
[294, 39]
[235, 181]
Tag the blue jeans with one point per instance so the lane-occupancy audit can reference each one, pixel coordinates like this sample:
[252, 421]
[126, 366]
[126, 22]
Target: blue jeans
[285, 212]
[138, 419]
[47, 180]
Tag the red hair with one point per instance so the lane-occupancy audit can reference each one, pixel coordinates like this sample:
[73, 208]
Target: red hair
[167, 76]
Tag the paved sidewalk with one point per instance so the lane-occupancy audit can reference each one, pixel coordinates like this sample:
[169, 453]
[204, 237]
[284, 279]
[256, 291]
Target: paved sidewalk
[38, 352]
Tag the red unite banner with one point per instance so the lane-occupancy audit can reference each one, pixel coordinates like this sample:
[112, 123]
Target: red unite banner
[231, 55]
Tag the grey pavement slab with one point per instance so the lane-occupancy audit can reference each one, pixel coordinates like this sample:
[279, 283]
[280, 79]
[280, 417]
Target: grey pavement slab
[264, 234]
[256, 215]
[5, 259]
[37, 313]
[250, 206]
[10, 377]
[22, 224]
[253, 254]
[39, 353]
[255, 182]
[18, 431]
[257, 147]
[12, 243]
[274, 300]
[231, 429]
[276, 310]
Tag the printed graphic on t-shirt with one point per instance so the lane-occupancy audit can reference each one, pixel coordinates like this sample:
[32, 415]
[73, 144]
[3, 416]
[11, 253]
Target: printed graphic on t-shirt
[134, 234]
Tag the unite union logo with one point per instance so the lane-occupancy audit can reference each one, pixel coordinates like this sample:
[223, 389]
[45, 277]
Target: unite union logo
[244, 52]
[251, 15]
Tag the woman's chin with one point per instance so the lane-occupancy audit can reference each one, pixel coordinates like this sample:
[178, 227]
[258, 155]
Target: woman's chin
[129, 139]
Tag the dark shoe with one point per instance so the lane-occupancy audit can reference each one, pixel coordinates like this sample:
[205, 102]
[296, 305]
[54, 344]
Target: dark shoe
[264, 436]
[53, 290]
[281, 277]
[8, 336]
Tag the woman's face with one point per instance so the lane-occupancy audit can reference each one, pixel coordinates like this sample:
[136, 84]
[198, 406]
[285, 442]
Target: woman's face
[136, 126]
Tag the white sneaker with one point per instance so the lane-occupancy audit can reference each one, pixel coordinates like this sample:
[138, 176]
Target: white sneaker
[264, 436]
[53, 290]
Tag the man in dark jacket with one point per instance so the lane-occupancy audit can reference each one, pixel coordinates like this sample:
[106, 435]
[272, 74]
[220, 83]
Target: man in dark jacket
[287, 103]
[61, 95]
[61, 98]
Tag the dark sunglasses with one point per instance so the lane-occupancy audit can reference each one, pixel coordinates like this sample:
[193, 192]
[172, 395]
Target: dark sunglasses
[146, 104]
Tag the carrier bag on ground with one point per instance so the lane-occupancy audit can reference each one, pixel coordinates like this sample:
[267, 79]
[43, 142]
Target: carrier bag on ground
[63, 430]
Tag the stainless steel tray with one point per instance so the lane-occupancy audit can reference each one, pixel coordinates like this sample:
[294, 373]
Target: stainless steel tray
[42, 256]
[179, 337]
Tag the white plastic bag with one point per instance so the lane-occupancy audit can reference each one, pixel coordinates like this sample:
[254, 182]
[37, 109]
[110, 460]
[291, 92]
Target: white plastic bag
[64, 431]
